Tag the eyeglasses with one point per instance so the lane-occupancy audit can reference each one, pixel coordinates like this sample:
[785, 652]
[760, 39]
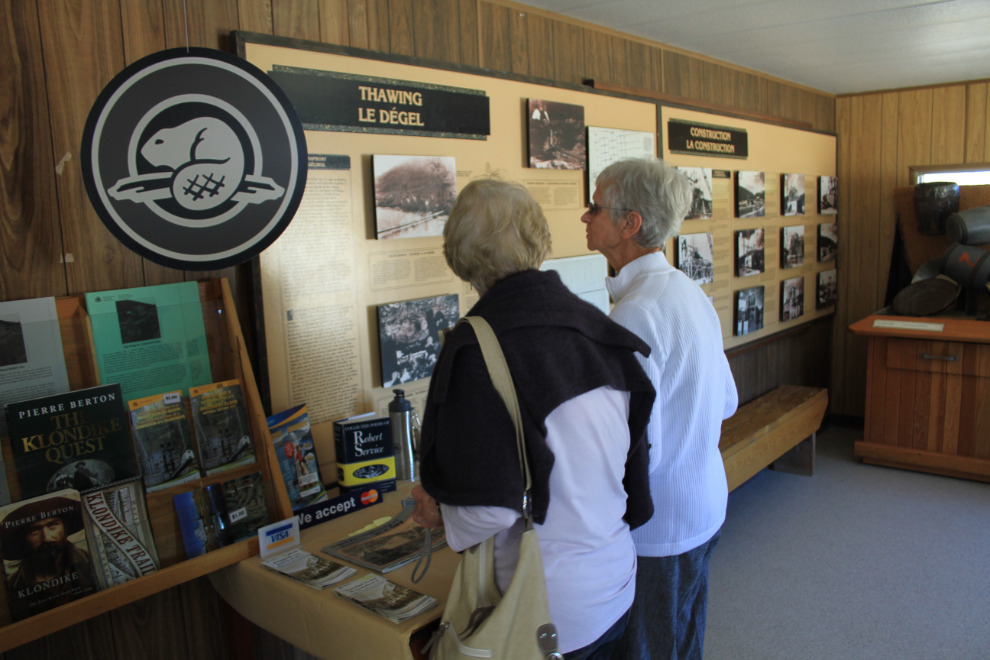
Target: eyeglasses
[593, 209]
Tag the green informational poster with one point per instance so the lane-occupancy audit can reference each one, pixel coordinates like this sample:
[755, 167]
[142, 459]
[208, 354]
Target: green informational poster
[150, 339]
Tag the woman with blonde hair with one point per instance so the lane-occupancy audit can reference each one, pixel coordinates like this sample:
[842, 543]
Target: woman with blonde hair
[585, 404]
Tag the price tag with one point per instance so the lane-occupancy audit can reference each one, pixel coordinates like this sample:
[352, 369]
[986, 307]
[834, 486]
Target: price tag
[172, 397]
[238, 515]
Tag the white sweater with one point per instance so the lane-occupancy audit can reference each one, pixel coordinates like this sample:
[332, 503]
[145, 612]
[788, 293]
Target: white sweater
[695, 392]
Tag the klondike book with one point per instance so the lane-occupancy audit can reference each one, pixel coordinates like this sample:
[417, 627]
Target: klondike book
[222, 428]
[77, 440]
[163, 440]
[119, 531]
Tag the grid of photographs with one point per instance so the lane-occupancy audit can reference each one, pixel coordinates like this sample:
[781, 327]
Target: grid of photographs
[409, 336]
[749, 252]
[556, 135]
[791, 298]
[749, 310]
[827, 293]
[413, 195]
[694, 257]
[792, 194]
[792, 246]
[701, 200]
[828, 195]
[828, 241]
[751, 195]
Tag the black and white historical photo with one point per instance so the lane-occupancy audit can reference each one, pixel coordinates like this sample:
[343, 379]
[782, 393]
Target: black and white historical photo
[749, 310]
[138, 321]
[556, 135]
[827, 293]
[13, 350]
[751, 195]
[792, 194]
[791, 298]
[413, 195]
[792, 246]
[828, 195]
[694, 257]
[828, 241]
[409, 333]
[701, 200]
[749, 252]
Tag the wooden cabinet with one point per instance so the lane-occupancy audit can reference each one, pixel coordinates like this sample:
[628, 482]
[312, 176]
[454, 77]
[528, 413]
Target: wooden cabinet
[927, 395]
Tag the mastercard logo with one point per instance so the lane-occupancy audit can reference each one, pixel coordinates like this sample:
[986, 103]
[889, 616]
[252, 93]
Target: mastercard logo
[369, 497]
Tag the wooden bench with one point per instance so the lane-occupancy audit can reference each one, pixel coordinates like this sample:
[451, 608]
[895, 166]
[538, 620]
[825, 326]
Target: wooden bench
[777, 429]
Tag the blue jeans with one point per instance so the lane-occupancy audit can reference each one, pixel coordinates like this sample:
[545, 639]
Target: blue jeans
[601, 648]
[667, 619]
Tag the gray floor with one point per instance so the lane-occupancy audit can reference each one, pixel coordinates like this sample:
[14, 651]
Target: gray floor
[857, 561]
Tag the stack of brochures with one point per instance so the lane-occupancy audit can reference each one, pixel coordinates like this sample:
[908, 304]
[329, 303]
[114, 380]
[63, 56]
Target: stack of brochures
[386, 599]
[388, 546]
[309, 569]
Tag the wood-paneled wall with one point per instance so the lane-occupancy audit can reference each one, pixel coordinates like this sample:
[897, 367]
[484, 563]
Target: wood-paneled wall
[55, 57]
[880, 137]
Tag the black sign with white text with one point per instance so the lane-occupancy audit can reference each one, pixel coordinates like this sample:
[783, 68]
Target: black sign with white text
[695, 138]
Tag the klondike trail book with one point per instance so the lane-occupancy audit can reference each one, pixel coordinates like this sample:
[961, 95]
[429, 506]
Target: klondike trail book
[77, 440]
[46, 559]
[163, 441]
[119, 532]
[222, 428]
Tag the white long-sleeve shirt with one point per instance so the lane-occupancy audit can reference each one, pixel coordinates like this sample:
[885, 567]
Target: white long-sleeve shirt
[695, 392]
[588, 555]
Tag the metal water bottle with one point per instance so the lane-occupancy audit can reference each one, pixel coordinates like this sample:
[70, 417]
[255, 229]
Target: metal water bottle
[400, 412]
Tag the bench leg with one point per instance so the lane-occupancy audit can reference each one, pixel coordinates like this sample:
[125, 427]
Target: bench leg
[800, 459]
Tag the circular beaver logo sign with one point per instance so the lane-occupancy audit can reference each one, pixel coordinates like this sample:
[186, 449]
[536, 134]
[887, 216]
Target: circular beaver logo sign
[194, 159]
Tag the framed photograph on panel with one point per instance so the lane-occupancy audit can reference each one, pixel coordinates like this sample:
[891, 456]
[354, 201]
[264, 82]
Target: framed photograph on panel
[792, 194]
[828, 195]
[701, 200]
[791, 298]
[749, 252]
[751, 195]
[695, 258]
[828, 241]
[749, 310]
[556, 135]
[413, 195]
[827, 294]
[409, 336]
[792, 246]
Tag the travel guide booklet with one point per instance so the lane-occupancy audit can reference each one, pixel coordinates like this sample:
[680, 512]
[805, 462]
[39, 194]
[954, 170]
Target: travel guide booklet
[244, 507]
[46, 560]
[222, 429]
[150, 339]
[313, 571]
[388, 546]
[76, 440]
[293, 440]
[196, 522]
[119, 530]
[163, 441]
[386, 599]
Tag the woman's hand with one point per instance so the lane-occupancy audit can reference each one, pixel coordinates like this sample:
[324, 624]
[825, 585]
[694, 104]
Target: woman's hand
[427, 511]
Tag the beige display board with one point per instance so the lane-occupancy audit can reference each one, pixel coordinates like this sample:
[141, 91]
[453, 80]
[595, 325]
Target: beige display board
[325, 276]
[774, 150]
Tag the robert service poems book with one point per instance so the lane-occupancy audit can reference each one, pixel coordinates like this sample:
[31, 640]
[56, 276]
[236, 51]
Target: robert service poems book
[222, 428]
[163, 440]
[75, 440]
[46, 559]
[119, 532]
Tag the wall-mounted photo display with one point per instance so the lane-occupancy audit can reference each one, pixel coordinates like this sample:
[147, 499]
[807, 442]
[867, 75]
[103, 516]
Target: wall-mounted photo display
[609, 145]
[751, 194]
[409, 336]
[792, 246]
[413, 195]
[695, 257]
[791, 298]
[792, 194]
[828, 241]
[827, 293]
[701, 201]
[749, 310]
[556, 135]
[828, 195]
[749, 252]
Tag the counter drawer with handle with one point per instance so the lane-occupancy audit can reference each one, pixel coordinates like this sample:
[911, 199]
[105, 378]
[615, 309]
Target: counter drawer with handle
[939, 356]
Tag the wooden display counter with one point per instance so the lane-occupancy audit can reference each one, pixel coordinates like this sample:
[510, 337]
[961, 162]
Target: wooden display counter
[927, 394]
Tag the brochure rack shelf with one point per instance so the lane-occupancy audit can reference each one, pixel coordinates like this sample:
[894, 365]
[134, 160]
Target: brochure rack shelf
[228, 360]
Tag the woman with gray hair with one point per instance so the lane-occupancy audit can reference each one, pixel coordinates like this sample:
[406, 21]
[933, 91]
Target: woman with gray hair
[585, 404]
[637, 206]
